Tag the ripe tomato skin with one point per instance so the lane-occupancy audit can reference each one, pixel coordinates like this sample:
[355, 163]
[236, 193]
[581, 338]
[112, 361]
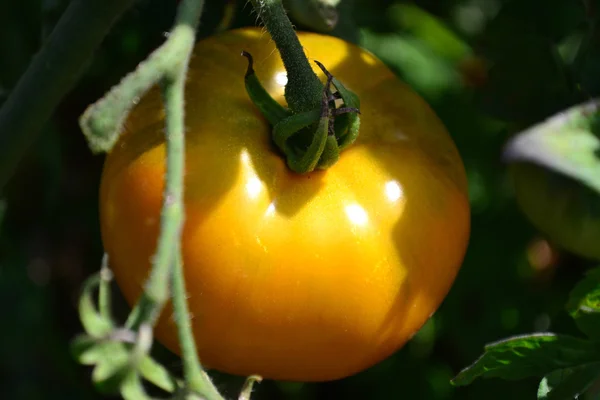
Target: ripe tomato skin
[293, 277]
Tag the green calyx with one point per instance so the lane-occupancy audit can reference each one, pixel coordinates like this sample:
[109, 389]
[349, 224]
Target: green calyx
[309, 139]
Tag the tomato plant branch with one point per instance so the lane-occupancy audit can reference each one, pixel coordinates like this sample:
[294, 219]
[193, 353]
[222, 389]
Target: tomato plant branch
[298, 131]
[104, 289]
[51, 74]
[303, 88]
[102, 123]
[196, 377]
[173, 217]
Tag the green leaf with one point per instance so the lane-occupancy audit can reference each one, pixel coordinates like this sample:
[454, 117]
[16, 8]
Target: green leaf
[112, 361]
[93, 322]
[109, 377]
[530, 355]
[415, 62]
[584, 304]
[429, 29]
[133, 389]
[86, 350]
[568, 384]
[153, 372]
[567, 143]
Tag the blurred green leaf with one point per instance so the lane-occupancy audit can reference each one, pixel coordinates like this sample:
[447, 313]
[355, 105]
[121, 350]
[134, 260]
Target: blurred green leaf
[584, 304]
[429, 29]
[132, 388]
[414, 61]
[567, 143]
[112, 368]
[84, 350]
[93, 322]
[153, 372]
[530, 355]
[568, 384]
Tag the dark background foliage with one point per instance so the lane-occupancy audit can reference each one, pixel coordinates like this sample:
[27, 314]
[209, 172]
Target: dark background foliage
[488, 68]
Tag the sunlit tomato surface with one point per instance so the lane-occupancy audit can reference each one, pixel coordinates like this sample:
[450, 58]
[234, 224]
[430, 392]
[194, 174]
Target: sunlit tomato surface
[294, 277]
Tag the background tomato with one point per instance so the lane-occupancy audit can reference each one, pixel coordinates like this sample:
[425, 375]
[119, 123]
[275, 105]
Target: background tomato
[563, 209]
[293, 277]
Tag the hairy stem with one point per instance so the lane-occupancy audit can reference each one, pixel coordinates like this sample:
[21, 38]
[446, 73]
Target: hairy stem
[303, 89]
[195, 376]
[174, 54]
[51, 74]
[169, 63]
[104, 289]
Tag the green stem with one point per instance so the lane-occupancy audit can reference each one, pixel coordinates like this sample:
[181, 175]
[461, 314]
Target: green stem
[195, 376]
[167, 261]
[172, 58]
[303, 89]
[104, 289]
[51, 74]
[102, 121]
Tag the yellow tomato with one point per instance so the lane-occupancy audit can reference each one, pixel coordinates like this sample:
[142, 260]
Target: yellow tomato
[294, 277]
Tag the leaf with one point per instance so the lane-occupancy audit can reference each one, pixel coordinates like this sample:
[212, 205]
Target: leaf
[568, 384]
[93, 322]
[529, 355]
[429, 29]
[89, 351]
[566, 143]
[133, 389]
[416, 63]
[112, 361]
[109, 376]
[584, 304]
[153, 372]
[112, 368]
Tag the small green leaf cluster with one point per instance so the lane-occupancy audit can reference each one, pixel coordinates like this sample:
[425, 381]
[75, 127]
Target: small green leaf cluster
[567, 365]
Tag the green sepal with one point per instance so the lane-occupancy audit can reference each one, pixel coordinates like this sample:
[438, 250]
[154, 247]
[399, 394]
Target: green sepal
[271, 109]
[350, 126]
[335, 129]
[310, 158]
[331, 153]
[94, 323]
[346, 125]
[288, 127]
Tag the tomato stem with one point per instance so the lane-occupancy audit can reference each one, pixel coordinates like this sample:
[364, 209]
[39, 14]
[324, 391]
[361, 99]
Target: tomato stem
[303, 88]
[307, 133]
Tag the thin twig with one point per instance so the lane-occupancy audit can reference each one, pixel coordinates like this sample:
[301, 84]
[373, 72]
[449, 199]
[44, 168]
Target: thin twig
[167, 65]
[102, 122]
[104, 289]
[51, 74]
[195, 376]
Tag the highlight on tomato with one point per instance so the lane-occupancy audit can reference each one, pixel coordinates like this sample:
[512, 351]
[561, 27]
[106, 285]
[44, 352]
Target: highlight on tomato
[301, 277]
